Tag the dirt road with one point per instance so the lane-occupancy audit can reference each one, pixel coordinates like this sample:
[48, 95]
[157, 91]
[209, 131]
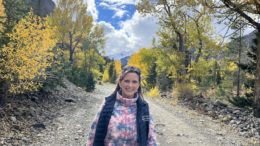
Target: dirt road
[178, 126]
[175, 125]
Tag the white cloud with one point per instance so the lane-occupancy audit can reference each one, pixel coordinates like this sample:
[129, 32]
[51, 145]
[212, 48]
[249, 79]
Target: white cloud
[107, 27]
[134, 34]
[92, 9]
[118, 6]
[121, 1]
[119, 10]
[119, 13]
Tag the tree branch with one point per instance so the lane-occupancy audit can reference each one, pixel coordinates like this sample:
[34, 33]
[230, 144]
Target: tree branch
[235, 8]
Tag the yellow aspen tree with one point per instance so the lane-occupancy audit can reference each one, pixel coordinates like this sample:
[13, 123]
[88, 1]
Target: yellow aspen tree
[143, 60]
[136, 60]
[73, 24]
[105, 77]
[2, 15]
[118, 67]
[27, 55]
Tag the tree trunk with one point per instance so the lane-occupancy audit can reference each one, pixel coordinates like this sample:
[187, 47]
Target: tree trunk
[200, 42]
[181, 41]
[182, 71]
[257, 78]
[239, 62]
[71, 49]
[3, 92]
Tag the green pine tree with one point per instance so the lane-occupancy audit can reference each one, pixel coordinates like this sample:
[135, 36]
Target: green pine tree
[151, 78]
[250, 68]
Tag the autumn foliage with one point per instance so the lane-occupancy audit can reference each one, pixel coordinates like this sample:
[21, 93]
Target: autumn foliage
[112, 71]
[2, 14]
[27, 55]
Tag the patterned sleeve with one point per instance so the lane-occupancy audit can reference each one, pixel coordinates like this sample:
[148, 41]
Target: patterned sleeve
[152, 134]
[92, 131]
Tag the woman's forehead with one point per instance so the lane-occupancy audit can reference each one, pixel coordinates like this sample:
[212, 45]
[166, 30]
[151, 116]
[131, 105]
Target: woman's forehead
[131, 75]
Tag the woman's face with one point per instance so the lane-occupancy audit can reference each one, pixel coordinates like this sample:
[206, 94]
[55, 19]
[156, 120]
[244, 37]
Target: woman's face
[129, 85]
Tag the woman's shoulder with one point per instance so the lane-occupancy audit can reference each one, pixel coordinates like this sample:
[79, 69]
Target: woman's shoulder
[143, 101]
[110, 97]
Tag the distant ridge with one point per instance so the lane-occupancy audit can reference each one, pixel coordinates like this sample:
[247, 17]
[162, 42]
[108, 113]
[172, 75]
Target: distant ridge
[42, 7]
[124, 60]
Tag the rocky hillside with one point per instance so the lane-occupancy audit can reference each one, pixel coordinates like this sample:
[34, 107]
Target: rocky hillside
[22, 117]
[42, 7]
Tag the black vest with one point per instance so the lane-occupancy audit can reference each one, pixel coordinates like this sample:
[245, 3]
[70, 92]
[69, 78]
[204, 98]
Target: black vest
[142, 121]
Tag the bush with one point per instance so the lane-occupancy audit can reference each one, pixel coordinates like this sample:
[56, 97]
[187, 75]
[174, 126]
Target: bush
[154, 92]
[90, 82]
[82, 78]
[105, 77]
[241, 101]
[112, 73]
[183, 90]
[151, 77]
[56, 72]
[164, 82]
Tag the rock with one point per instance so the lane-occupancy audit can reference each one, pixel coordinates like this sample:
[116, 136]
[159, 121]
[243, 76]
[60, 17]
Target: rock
[70, 100]
[226, 118]
[238, 122]
[39, 125]
[33, 112]
[16, 128]
[2, 141]
[13, 119]
[16, 143]
[209, 107]
[220, 134]
[219, 103]
[17, 112]
[26, 140]
[34, 98]
[236, 112]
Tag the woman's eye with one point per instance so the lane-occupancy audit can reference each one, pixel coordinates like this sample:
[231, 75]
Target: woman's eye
[135, 82]
[127, 81]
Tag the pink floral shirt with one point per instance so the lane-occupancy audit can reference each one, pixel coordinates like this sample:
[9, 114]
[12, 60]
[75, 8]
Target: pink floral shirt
[122, 129]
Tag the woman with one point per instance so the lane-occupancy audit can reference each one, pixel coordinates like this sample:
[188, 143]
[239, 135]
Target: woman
[124, 118]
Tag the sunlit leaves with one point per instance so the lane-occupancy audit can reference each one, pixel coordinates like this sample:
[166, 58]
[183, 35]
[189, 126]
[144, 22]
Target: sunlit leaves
[105, 77]
[232, 66]
[28, 54]
[201, 68]
[170, 63]
[142, 59]
[73, 24]
[2, 15]
[118, 67]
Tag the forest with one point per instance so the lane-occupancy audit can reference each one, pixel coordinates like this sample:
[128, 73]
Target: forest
[40, 46]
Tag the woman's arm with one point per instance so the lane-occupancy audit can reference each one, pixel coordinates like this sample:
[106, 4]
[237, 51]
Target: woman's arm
[152, 134]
